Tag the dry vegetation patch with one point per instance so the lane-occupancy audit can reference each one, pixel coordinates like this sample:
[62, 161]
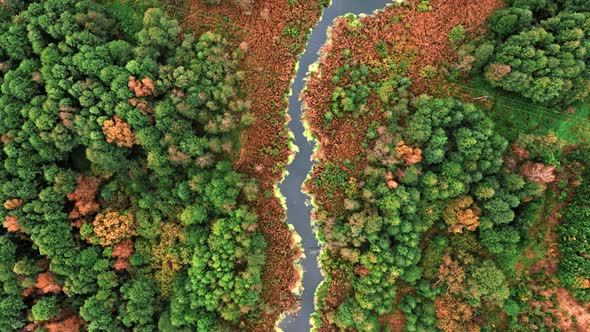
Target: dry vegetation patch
[268, 67]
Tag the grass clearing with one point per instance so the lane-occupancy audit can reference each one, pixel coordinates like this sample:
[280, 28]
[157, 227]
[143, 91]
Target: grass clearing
[515, 115]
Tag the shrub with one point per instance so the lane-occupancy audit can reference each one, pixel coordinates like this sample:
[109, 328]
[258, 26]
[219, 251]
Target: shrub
[457, 34]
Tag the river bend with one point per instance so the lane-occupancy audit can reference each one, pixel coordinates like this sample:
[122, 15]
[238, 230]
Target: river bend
[298, 212]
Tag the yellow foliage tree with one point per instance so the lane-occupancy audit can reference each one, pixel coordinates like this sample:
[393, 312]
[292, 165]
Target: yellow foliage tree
[113, 227]
[460, 214]
[168, 255]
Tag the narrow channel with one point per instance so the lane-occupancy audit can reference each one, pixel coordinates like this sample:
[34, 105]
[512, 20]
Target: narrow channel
[298, 212]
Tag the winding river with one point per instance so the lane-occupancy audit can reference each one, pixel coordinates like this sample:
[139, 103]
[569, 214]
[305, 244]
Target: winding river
[298, 212]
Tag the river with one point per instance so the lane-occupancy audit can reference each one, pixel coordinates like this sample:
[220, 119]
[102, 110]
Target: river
[298, 212]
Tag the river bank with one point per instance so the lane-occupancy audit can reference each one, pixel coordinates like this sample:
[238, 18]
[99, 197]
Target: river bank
[364, 53]
[271, 34]
[299, 207]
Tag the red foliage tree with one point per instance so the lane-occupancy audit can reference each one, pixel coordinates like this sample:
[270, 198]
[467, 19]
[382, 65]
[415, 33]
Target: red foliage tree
[46, 283]
[123, 251]
[451, 274]
[69, 324]
[84, 196]
[177, 156]
[521, 153]
[66, 116]
[142, 88]
[142, 105]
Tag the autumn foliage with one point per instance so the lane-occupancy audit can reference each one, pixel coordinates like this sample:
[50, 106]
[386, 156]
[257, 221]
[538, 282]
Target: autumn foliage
[142, 88]
[122, 251]
[538, 172]
[168, 258]
[113, 227]
[452, 274]
[461, 214]
[71, 108]
[11, 224]
[12, 204]
[46, 283]
[454, 315]
[497, 71]
[69, 324]
[389, 180]
[84, 197]
[408, 154]
[118, 131]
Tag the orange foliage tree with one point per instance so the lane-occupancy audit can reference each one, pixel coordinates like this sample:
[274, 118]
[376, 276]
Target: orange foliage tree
[410, 155]
[454, 315]
[118, 131]
[84, 196]
[113, 227]
[12, 204]
[389, 179]
[11, 224]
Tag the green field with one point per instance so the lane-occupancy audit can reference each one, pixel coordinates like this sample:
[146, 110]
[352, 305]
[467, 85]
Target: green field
[515, 115]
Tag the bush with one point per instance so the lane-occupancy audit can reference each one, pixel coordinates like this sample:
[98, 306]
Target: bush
[457, 34]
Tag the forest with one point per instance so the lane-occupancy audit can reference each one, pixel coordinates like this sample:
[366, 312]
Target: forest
[122, 210]
[436, 210]
[143, 145]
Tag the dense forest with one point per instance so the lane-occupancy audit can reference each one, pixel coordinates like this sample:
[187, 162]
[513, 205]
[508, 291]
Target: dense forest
[121, 206]
[539, 50]
[143, 142]
[430, 217]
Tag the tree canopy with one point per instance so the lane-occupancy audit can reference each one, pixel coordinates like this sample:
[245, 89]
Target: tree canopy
[539, 49]
[117, 174]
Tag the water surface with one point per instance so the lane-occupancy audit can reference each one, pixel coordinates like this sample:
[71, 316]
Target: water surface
[298, 212]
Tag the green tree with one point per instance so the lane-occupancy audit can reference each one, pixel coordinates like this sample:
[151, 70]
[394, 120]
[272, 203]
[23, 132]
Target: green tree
[457, 34]
[488, 283]
[46, 308]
